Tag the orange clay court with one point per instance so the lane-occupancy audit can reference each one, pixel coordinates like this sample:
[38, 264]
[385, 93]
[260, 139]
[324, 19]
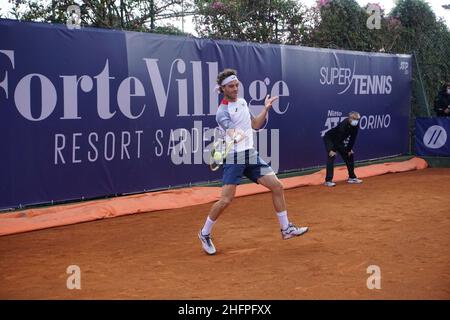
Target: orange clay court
[399, 222]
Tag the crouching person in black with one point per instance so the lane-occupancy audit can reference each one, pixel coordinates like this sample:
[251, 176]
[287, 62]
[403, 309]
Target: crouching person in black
[340, 140]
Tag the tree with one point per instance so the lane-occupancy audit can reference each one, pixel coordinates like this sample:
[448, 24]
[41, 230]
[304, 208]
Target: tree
[135, 15]
[429, 40]
[274, 21]
[340, 24]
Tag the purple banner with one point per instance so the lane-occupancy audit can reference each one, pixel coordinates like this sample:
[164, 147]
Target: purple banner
[90, 112]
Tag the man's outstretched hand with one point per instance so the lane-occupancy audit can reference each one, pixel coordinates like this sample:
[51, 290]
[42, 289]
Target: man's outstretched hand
[268, 102]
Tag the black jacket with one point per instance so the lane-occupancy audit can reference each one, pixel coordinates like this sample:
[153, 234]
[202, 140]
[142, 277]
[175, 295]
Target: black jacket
[442, 102]
[337, 137]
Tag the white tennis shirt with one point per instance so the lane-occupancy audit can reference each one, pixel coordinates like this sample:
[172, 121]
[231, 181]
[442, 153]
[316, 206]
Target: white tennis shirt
[236, 115]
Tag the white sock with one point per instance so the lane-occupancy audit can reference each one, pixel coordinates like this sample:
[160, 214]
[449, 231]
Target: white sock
[208, 226]
[283, 219]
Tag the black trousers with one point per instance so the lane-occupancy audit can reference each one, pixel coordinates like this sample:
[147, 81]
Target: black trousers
[349, 161]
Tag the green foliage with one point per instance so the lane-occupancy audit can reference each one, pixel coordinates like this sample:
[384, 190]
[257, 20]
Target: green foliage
[429, 39]
[274, 21]
[341, 24]
[133, 15]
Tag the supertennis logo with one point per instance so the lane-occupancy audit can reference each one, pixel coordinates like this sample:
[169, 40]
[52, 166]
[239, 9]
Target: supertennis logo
[363, 84]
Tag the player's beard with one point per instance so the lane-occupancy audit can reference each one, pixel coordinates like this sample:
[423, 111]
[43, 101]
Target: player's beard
[232, 97]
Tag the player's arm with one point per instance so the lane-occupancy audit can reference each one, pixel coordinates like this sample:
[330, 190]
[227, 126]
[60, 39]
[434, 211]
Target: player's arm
[259, 120]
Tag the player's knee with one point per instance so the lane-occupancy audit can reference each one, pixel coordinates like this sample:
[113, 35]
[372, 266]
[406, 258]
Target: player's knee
[277, 187]
[226, 201]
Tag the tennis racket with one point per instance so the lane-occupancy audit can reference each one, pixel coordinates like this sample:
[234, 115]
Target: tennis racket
[220, 150]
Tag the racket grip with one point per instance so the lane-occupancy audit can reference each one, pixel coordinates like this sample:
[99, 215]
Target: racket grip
[237, 138]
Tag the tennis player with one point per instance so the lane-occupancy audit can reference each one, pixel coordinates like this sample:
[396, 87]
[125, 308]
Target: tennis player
[233, 116]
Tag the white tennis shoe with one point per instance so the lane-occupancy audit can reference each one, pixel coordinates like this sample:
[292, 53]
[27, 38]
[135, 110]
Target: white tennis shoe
[293, 231]
[354, 180]
[207, 243]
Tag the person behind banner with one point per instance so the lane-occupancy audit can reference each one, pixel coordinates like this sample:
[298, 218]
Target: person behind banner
[340, 140]
[442, 101]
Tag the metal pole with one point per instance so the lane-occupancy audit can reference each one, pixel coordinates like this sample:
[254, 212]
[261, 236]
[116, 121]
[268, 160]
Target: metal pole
[421, 86]
[182, 16]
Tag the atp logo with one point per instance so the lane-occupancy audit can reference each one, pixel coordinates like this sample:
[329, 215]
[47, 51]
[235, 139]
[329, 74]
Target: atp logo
[435, 137]
[404, 66]
[333, 119]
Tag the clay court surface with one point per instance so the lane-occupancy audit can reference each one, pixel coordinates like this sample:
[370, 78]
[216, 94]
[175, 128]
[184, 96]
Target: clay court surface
[399, 222]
